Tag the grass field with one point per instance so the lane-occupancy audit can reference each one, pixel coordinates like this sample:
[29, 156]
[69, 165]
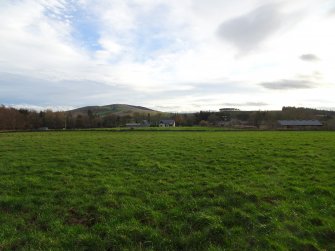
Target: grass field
[167, 191]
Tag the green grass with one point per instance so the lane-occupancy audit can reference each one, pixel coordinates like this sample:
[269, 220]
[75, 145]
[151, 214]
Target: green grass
[167, 191]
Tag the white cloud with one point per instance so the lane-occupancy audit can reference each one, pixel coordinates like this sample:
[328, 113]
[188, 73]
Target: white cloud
[155, 50]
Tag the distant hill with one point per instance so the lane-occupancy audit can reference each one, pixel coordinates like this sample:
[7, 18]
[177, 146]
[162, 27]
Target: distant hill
[116, 109]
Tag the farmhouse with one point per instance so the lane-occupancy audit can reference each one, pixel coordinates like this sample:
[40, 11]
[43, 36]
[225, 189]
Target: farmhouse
[299, 123]
[167, 123]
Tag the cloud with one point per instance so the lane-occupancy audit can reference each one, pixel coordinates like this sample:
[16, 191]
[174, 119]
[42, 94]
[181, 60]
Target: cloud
[41, 108]
[314, 77]
[158, 52]
[171, 108]
[332, 12]
[246, 104]
[288, 84]
[22, 89]
[248, 31]
[309, 57]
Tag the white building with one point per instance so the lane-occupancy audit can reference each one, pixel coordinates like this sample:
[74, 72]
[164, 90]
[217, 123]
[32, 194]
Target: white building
[167, 123]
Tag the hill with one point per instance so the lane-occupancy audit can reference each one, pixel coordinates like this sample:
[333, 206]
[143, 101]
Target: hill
[116, 109]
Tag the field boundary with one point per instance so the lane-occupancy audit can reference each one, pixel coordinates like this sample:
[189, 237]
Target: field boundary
[162, 130]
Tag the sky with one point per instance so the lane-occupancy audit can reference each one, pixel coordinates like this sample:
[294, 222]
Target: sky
[168, 55]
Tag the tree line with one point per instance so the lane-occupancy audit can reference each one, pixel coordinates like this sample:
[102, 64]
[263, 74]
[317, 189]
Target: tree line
[24, 119]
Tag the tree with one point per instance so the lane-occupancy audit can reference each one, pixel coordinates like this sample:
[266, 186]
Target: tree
[79, 121]
[203, 123]
[213, 119]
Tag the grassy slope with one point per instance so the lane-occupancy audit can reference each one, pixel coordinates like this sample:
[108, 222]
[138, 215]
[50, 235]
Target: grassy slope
[163, 191]
[117, 109]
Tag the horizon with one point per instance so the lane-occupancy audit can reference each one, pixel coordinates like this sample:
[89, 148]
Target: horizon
[63, 109]
[169, 56]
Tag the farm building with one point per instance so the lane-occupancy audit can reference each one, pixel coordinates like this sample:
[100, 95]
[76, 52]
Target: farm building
[144, 123]
[133, 125]
[299, 123]
[229, 109]
[167, 123]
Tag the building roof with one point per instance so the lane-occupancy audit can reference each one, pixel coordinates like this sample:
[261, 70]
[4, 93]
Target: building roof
[167, 121]
[229, 109]
[300, 122]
